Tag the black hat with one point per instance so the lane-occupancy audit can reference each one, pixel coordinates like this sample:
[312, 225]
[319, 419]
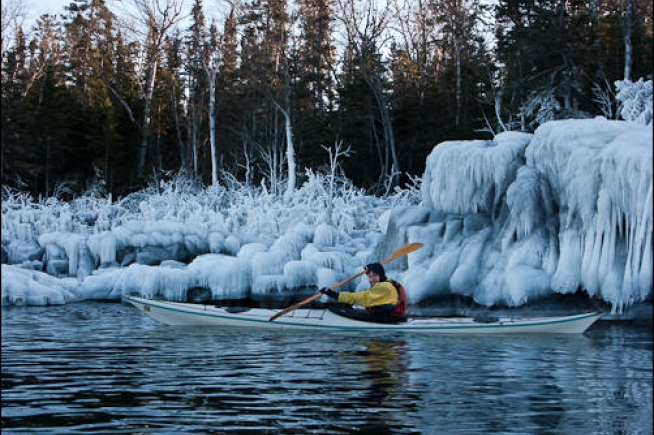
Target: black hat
[376, 268]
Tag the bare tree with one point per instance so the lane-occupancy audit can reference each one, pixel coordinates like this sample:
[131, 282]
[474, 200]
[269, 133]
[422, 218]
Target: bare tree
[211, 70]
[152, 20]
[635, 18]
[212, 60]
[284, 89]
[280, 84]
[417, 27]
[604, 97]
[335, 155]
[13, 15]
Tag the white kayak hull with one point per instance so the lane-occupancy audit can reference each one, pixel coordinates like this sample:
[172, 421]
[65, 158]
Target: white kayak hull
[187, 314]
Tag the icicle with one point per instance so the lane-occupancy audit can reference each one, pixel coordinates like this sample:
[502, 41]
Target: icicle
[567, 277]
[107, 249]
[590, 263]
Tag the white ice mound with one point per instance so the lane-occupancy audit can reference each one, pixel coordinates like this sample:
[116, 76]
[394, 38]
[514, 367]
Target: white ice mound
[569, 208]
[469, 176]
[31, 287]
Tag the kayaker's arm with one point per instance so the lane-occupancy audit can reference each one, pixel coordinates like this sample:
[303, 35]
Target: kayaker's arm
[379, 294]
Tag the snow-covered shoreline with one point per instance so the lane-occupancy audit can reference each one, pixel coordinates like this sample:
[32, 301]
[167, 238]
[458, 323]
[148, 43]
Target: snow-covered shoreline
[505, 222]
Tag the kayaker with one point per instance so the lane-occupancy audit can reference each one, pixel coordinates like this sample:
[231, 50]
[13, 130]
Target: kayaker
[384, 300]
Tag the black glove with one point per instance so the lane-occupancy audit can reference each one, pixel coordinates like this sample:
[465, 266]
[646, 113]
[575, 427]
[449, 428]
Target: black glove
[329, 292]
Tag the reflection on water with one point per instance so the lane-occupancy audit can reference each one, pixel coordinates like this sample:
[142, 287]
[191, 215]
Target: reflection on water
[384, 371]
[104, 368]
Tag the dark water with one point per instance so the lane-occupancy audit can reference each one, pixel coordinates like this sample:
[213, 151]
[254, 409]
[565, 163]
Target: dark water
[104, 368]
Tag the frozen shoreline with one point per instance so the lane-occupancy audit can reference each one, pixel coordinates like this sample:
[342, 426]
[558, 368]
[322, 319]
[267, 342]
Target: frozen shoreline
[505, 223]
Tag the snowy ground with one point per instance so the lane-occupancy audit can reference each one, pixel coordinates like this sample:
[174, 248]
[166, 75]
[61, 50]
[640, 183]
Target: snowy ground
[504, 222]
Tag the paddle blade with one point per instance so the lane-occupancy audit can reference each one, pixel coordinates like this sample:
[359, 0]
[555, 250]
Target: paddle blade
[404, 250]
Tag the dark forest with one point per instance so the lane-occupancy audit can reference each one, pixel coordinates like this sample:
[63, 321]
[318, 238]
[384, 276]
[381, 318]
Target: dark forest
[111, 95]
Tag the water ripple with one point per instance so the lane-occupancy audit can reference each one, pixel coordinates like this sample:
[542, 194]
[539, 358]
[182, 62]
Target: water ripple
[103, 368]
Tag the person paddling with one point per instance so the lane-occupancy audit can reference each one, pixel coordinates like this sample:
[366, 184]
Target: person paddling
[385, 300]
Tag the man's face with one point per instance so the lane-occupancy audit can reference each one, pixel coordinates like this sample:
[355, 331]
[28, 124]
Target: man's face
[373, 278]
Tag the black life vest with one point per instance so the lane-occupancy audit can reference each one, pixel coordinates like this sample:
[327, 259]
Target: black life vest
[396, 310]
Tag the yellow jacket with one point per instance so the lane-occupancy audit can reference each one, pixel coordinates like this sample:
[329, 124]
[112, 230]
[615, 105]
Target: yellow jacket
[382, 293]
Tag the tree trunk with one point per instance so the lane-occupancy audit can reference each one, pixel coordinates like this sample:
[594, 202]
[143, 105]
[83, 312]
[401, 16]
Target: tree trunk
[147, 118]
[387, 125]
[290, 157]
[194, 139]
[178, 128]
[459, 90]
[48, 157]
[628, 47]
[290, 150]
[212, 123]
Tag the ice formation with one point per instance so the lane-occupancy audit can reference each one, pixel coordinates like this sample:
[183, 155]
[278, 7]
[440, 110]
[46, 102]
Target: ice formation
[569, 209]
[504, 222]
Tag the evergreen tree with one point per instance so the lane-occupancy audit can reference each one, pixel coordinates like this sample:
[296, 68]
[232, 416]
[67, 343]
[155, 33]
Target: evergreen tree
[90, 45]
[552, 55]
[366, 26]
[312, 70]
[316, 55]
[264, 70]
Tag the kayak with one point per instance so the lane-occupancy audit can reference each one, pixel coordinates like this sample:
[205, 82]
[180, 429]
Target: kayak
[190, 314]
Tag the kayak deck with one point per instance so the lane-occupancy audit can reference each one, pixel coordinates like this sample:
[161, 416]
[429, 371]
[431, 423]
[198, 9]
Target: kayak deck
[189, 314]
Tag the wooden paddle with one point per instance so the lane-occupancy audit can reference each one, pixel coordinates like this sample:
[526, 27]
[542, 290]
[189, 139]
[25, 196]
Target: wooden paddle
[407, 249]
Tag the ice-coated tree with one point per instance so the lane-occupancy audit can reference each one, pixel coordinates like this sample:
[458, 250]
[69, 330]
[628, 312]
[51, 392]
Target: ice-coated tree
[635, 100]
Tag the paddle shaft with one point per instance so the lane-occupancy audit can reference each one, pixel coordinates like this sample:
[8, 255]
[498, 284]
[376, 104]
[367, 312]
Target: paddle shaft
[407, 249]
